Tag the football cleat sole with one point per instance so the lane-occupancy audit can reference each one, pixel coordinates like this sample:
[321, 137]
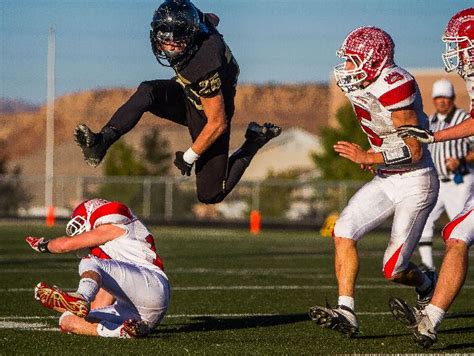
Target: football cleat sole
[402, 312]
[424, 341]
[338, 323]
[55, 299]
[132, 329]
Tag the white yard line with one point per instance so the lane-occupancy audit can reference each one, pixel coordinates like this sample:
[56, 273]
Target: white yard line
[250, 287]
[12, 318]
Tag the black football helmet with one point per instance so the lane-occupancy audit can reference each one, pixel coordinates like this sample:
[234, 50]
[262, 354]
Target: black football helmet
[175, 26]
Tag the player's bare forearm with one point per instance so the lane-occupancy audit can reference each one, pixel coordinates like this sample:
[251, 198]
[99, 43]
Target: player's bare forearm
[357, 154]
[216, 123]
[462, 130]
[96, 237]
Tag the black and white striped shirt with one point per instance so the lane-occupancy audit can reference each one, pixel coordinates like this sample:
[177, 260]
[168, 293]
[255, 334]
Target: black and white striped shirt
[459, 148]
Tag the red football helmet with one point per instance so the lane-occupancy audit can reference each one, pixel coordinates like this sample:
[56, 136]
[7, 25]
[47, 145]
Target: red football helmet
[370, 50]
[80, 218]
[459, 39]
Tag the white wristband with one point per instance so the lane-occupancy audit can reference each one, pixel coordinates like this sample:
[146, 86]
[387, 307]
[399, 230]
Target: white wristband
[190, 156]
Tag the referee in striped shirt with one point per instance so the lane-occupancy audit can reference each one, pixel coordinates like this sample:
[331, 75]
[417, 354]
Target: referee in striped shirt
[454, 161]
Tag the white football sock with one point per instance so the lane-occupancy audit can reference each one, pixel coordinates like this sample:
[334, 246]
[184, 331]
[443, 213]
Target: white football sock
[88, 288]
[435, 314]
[346, 301]
[426, 254]
[108, 329]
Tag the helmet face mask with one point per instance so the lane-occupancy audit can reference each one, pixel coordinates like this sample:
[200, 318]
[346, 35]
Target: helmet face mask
[459, 39]
[79, 221]
[77, 225]
[171, 41]
[367, 51]
[353, 78]
[173, 31]
[459, 55]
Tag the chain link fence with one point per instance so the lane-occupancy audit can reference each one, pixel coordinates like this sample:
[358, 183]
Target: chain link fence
[173, 199]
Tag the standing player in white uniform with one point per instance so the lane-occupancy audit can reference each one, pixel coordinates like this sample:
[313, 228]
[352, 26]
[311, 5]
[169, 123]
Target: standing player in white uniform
[384, 97]
[454, 162]
[122, 261]
[458, 234]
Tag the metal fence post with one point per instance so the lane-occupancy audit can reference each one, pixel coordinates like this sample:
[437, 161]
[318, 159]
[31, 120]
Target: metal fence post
[80, 189]
[342, 195]
[168, 198]
[60, 182]
[256, 196]
[146, 197]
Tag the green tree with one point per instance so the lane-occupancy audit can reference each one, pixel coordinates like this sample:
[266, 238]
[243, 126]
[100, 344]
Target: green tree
[331, 165]
[121, 161]
[157, 154]
[13, 193]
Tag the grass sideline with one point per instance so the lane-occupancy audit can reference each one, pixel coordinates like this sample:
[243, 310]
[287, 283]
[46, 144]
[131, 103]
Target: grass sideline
[232, 293]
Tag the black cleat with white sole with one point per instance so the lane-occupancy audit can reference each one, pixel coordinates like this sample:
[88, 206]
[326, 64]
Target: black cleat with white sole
[341, 319]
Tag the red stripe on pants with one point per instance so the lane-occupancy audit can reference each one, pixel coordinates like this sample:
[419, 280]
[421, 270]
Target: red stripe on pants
[390, 265]
[448, 229]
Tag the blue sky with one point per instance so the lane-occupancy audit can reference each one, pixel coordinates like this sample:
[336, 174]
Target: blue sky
[104, 43]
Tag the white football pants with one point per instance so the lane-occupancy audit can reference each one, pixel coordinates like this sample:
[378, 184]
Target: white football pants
[451, 198]
[141, 293]
[462, 226]
[409, 197]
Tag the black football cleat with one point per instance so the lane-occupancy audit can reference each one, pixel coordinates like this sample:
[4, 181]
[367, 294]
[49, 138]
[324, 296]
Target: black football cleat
[94, 145]
[261, 134]
[341, 319]
[402, 312]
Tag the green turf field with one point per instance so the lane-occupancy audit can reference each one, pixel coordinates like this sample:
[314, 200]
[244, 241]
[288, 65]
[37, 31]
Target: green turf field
[232, 293]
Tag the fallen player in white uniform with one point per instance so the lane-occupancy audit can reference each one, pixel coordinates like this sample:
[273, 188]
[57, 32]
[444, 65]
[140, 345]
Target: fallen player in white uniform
[121, 266]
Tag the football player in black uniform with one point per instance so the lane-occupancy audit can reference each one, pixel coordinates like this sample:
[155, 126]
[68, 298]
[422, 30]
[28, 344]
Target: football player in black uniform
[201, 97]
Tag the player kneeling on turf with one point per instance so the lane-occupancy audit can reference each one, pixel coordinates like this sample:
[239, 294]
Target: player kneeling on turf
[122, 264]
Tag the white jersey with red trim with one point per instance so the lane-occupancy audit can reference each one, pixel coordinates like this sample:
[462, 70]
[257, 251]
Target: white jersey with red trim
[136, 245]
[373, 105]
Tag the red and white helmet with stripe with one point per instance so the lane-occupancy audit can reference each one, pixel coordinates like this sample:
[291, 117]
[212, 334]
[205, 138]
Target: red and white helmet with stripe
[459, 40]
[94, 212]
[370, 49]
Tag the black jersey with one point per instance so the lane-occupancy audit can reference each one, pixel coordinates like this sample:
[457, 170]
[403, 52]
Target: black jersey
[212, 68]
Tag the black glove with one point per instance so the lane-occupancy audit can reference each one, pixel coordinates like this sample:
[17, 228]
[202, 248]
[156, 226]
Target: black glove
[182, 165]
[422, 135]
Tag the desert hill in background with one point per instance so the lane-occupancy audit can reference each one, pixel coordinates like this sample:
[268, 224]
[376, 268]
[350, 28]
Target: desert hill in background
[23, 133]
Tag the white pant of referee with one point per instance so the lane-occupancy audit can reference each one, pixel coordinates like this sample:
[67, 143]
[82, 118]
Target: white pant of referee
[451, 199]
